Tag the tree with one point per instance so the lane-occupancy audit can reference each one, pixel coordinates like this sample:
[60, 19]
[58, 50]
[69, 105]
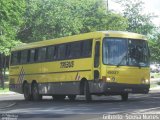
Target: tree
[47, 19]
[154, 44]
[11, 18]
[138, 21]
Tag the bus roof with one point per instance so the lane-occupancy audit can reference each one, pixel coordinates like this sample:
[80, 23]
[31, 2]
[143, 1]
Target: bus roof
[91, 35]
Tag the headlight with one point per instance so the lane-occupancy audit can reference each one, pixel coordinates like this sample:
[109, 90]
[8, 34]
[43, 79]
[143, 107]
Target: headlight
[147, 81]
[108, 79]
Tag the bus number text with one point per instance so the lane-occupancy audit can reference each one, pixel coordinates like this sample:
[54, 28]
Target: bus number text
[68, 64]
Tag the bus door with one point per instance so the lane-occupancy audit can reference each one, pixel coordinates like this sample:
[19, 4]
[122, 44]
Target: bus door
[97, 61]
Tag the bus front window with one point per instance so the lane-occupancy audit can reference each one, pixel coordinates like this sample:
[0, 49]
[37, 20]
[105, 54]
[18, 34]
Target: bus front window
[125, 52]
[138, 53]
[114, 51]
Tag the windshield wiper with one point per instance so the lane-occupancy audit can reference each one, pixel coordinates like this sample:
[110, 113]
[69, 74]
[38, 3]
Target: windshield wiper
[121, 60]
[138, 65]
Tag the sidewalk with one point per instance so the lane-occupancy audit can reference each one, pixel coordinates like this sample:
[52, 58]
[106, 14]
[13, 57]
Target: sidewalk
[155, 80]
[7, 93]
[155, 88]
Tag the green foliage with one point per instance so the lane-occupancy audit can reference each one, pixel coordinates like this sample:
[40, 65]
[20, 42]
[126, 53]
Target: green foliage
[47, 19]
[11, 17]
[141, 23]
[34, 20]
[138, 22]
[154, 45]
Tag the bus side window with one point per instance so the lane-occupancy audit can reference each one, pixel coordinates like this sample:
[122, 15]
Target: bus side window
[61, 52]
[86, 48]
[50, 53]
[24, 56]
[36, 55]
[75, 51]
[14, 57]
[19, 57]
[68, 50]
[42, 54]
[55, 54]
[97, 54]
[31, 55]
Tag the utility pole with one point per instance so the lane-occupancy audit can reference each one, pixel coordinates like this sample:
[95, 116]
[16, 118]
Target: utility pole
[107, 6]
[1, 70]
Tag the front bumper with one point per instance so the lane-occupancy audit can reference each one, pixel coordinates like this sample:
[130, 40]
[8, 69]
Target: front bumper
[120, 88]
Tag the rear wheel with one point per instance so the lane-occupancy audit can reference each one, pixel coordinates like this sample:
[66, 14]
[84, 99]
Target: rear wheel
[72, 97]
[87, 94]
[26, 92]
[124, 97]
[35, 92]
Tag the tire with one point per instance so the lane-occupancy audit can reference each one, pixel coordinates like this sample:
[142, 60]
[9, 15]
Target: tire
[26, 92]
[124, 97]
[35, 92]
[87, 94]
[58, 97]
[72, 97]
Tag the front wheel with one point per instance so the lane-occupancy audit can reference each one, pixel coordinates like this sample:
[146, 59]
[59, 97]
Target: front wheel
[35, 92]
[26, 92]
[87, 94]
[124, 97]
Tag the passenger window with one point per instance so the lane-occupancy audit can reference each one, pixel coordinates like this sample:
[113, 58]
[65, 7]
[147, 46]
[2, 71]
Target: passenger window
[68, 50]
[97, 54]
[61, 52]
[42, 54]
[50, 52]
[19, 57]
[31, 55]
[36, 55]
[14, 58]
[75, 50]
[24, 56]
[86, 48]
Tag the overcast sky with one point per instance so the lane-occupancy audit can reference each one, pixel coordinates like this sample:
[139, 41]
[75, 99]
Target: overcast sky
[151, 6]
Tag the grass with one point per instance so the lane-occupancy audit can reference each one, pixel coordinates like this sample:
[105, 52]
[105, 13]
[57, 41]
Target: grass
[6, 86]
[155, 75]
[4, 90]
[153, 85]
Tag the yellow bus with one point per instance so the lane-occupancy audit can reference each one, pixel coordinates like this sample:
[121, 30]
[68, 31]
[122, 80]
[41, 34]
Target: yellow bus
[96, 63]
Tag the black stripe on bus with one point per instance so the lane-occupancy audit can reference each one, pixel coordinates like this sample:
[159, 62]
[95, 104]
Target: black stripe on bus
[54, 72]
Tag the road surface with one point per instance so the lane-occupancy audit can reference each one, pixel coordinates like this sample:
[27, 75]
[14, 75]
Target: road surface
[14, 106]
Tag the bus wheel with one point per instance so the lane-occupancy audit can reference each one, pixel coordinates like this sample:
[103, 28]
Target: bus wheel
[87, 94]
[124, 97]
[35, 92]
[59, 97]
[72, 97]
[26, 92]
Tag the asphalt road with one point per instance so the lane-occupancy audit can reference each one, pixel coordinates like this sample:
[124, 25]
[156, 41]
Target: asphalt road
[14, 106]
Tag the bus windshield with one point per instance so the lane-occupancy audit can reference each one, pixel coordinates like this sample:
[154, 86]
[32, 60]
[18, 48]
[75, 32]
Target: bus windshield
[125, 52]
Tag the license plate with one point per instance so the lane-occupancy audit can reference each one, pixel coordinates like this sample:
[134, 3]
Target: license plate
[128, 90]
